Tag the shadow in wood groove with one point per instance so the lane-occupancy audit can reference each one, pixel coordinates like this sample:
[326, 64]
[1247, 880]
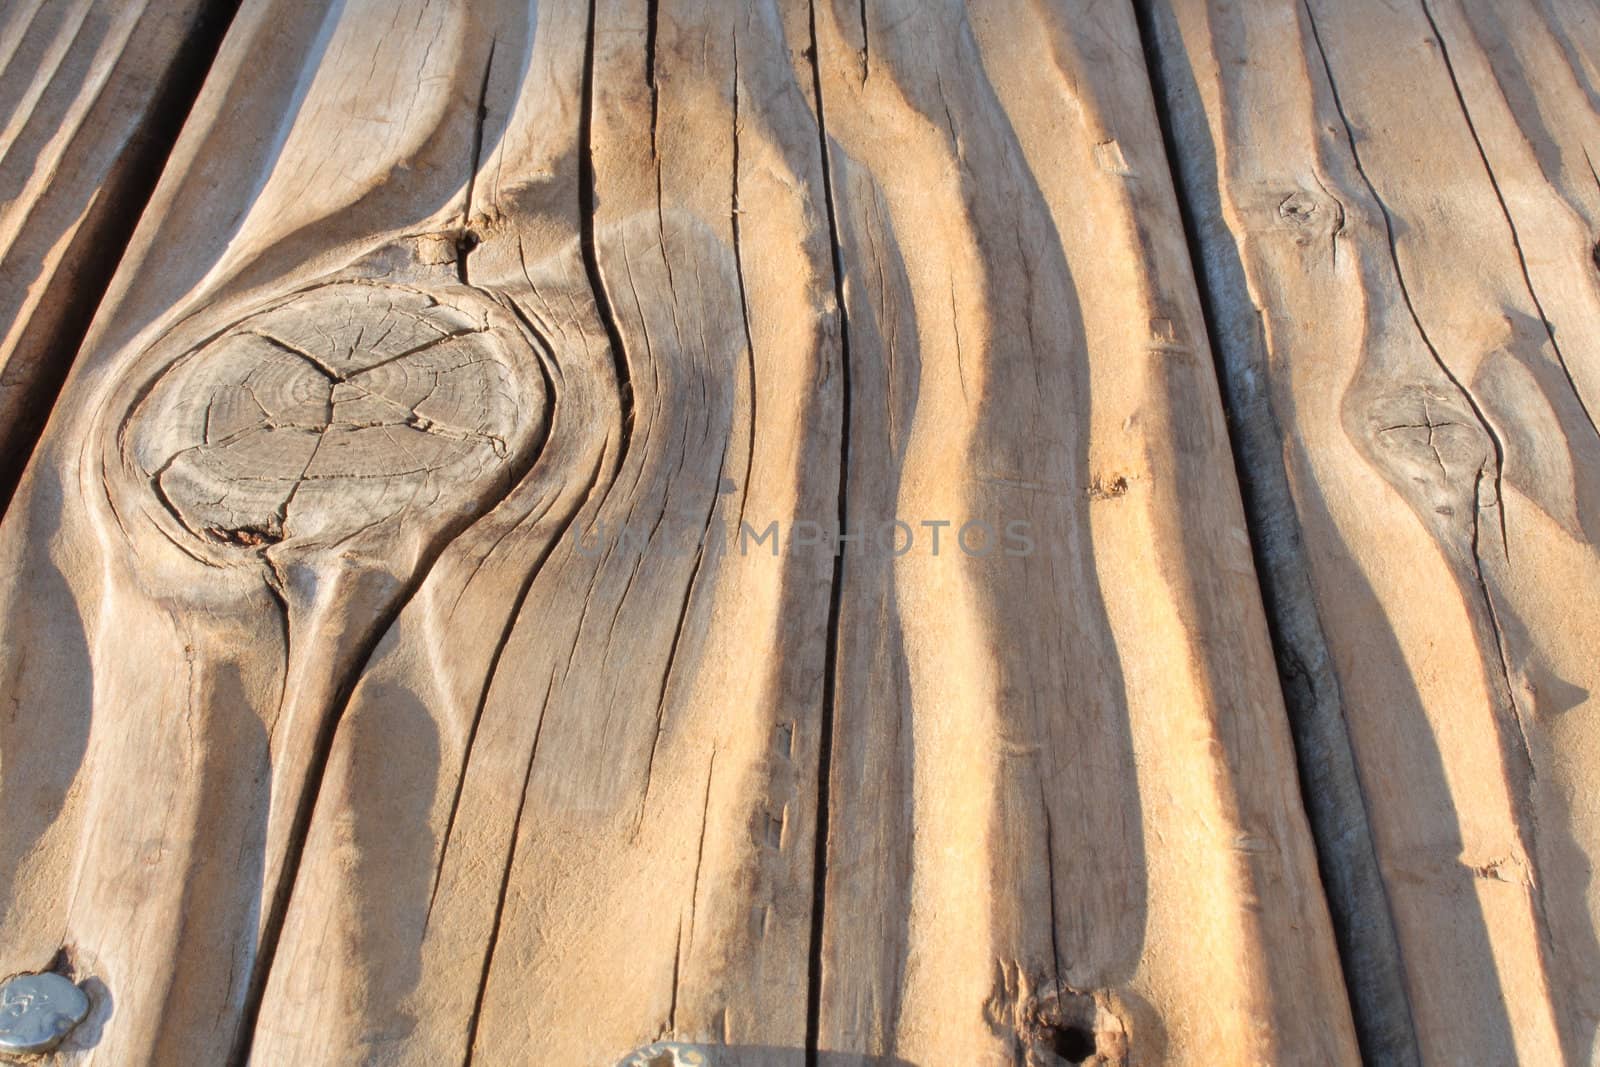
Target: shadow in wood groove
[1332, 791]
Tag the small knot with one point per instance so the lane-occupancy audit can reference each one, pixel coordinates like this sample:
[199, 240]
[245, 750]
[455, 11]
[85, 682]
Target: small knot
[1298, 207]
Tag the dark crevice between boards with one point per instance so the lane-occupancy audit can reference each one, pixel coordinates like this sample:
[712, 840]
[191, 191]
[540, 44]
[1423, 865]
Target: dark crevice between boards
[831, 649]
[97, 249]
[1330, 788]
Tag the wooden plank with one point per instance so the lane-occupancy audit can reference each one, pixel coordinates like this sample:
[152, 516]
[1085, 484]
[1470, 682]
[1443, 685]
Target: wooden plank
[392, 685]
[92, 93]
[1024, 326]
[1397, 213]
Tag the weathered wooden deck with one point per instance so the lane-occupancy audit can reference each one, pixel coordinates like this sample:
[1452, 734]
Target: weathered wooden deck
[425, 636]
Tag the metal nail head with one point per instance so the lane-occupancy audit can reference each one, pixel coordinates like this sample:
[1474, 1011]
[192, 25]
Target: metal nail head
[37, 1011]
[668, 1054]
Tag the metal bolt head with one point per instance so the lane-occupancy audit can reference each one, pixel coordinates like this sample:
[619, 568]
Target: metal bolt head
[668, 1054]
[37, 1011]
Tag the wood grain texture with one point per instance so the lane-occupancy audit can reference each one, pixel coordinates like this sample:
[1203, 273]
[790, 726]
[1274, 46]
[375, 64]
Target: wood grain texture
[391, 682]
[1397, 214]
[91, 94]
[1037, 285]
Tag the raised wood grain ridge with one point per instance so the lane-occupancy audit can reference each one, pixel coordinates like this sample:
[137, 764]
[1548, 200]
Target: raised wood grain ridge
[1396, 211]
[92, 94]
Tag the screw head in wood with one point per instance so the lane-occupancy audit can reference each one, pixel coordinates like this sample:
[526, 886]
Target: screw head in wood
[37, 1011]
[668, 1054]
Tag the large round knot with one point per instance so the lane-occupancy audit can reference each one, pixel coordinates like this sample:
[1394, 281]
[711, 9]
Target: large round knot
[339, 408]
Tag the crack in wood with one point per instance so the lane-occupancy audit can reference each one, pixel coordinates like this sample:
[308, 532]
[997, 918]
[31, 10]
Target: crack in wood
[830, 666]
[1505, 211]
